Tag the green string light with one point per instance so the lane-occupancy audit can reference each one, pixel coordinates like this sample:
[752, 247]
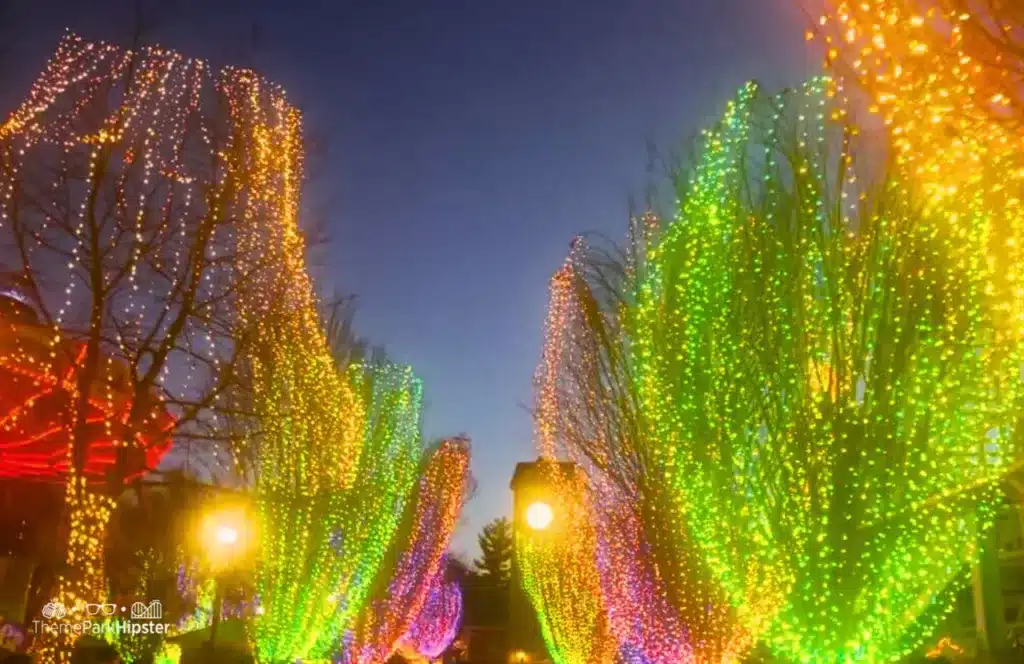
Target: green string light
[820, 367]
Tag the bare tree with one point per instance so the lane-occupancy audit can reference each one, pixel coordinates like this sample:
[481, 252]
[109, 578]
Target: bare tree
[128, 192]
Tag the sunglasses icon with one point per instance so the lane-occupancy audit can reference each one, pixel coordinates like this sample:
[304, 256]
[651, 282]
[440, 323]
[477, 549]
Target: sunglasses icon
[100, 609]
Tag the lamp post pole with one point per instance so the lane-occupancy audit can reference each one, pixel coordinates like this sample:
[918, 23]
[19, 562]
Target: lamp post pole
[222, 536]
[218, 601]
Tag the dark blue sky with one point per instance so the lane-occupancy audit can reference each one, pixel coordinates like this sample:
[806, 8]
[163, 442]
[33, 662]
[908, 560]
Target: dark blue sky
[469, 140]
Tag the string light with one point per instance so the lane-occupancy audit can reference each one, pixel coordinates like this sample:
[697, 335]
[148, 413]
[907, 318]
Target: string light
[660, 601]
[34, 431]
[944, 645]
[417, 556]
[183, 187]
[438, 622]
[830, 392]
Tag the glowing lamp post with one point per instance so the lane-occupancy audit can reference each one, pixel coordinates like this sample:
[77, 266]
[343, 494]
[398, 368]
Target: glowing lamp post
[533, 515]
[224, 536]
[539, 515]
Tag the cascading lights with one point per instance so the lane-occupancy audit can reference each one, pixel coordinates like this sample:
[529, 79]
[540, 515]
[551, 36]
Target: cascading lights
[558, 568]
[437, 624]
[559, 575]
[311, 585]
[338, 448]
[660, 600]
[945, 77]
[415, 561]
[827, 381]
[130, 267]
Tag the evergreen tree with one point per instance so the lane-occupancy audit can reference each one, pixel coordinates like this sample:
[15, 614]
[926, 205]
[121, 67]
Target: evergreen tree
[495, 561]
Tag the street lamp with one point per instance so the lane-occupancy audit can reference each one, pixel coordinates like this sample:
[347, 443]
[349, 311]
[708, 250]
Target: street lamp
[538, 510]
[539, 515]
[224, 536]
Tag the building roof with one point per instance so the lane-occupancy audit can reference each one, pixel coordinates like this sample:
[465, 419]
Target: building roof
[528, 472]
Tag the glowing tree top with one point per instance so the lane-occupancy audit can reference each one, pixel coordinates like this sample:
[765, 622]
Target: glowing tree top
[947, 78]
[826, 379]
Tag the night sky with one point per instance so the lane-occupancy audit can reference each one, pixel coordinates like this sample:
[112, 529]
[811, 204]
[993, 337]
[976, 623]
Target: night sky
[467, 141]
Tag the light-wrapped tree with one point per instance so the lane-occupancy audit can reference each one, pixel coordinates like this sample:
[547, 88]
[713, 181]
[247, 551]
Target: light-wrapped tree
[124, 204]
[150, 210]
[415, 558]
[802, 387]
[437, 624]
[324, 537]
[827, 380]
[660, 599]
[338, 439]
[947, 78]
